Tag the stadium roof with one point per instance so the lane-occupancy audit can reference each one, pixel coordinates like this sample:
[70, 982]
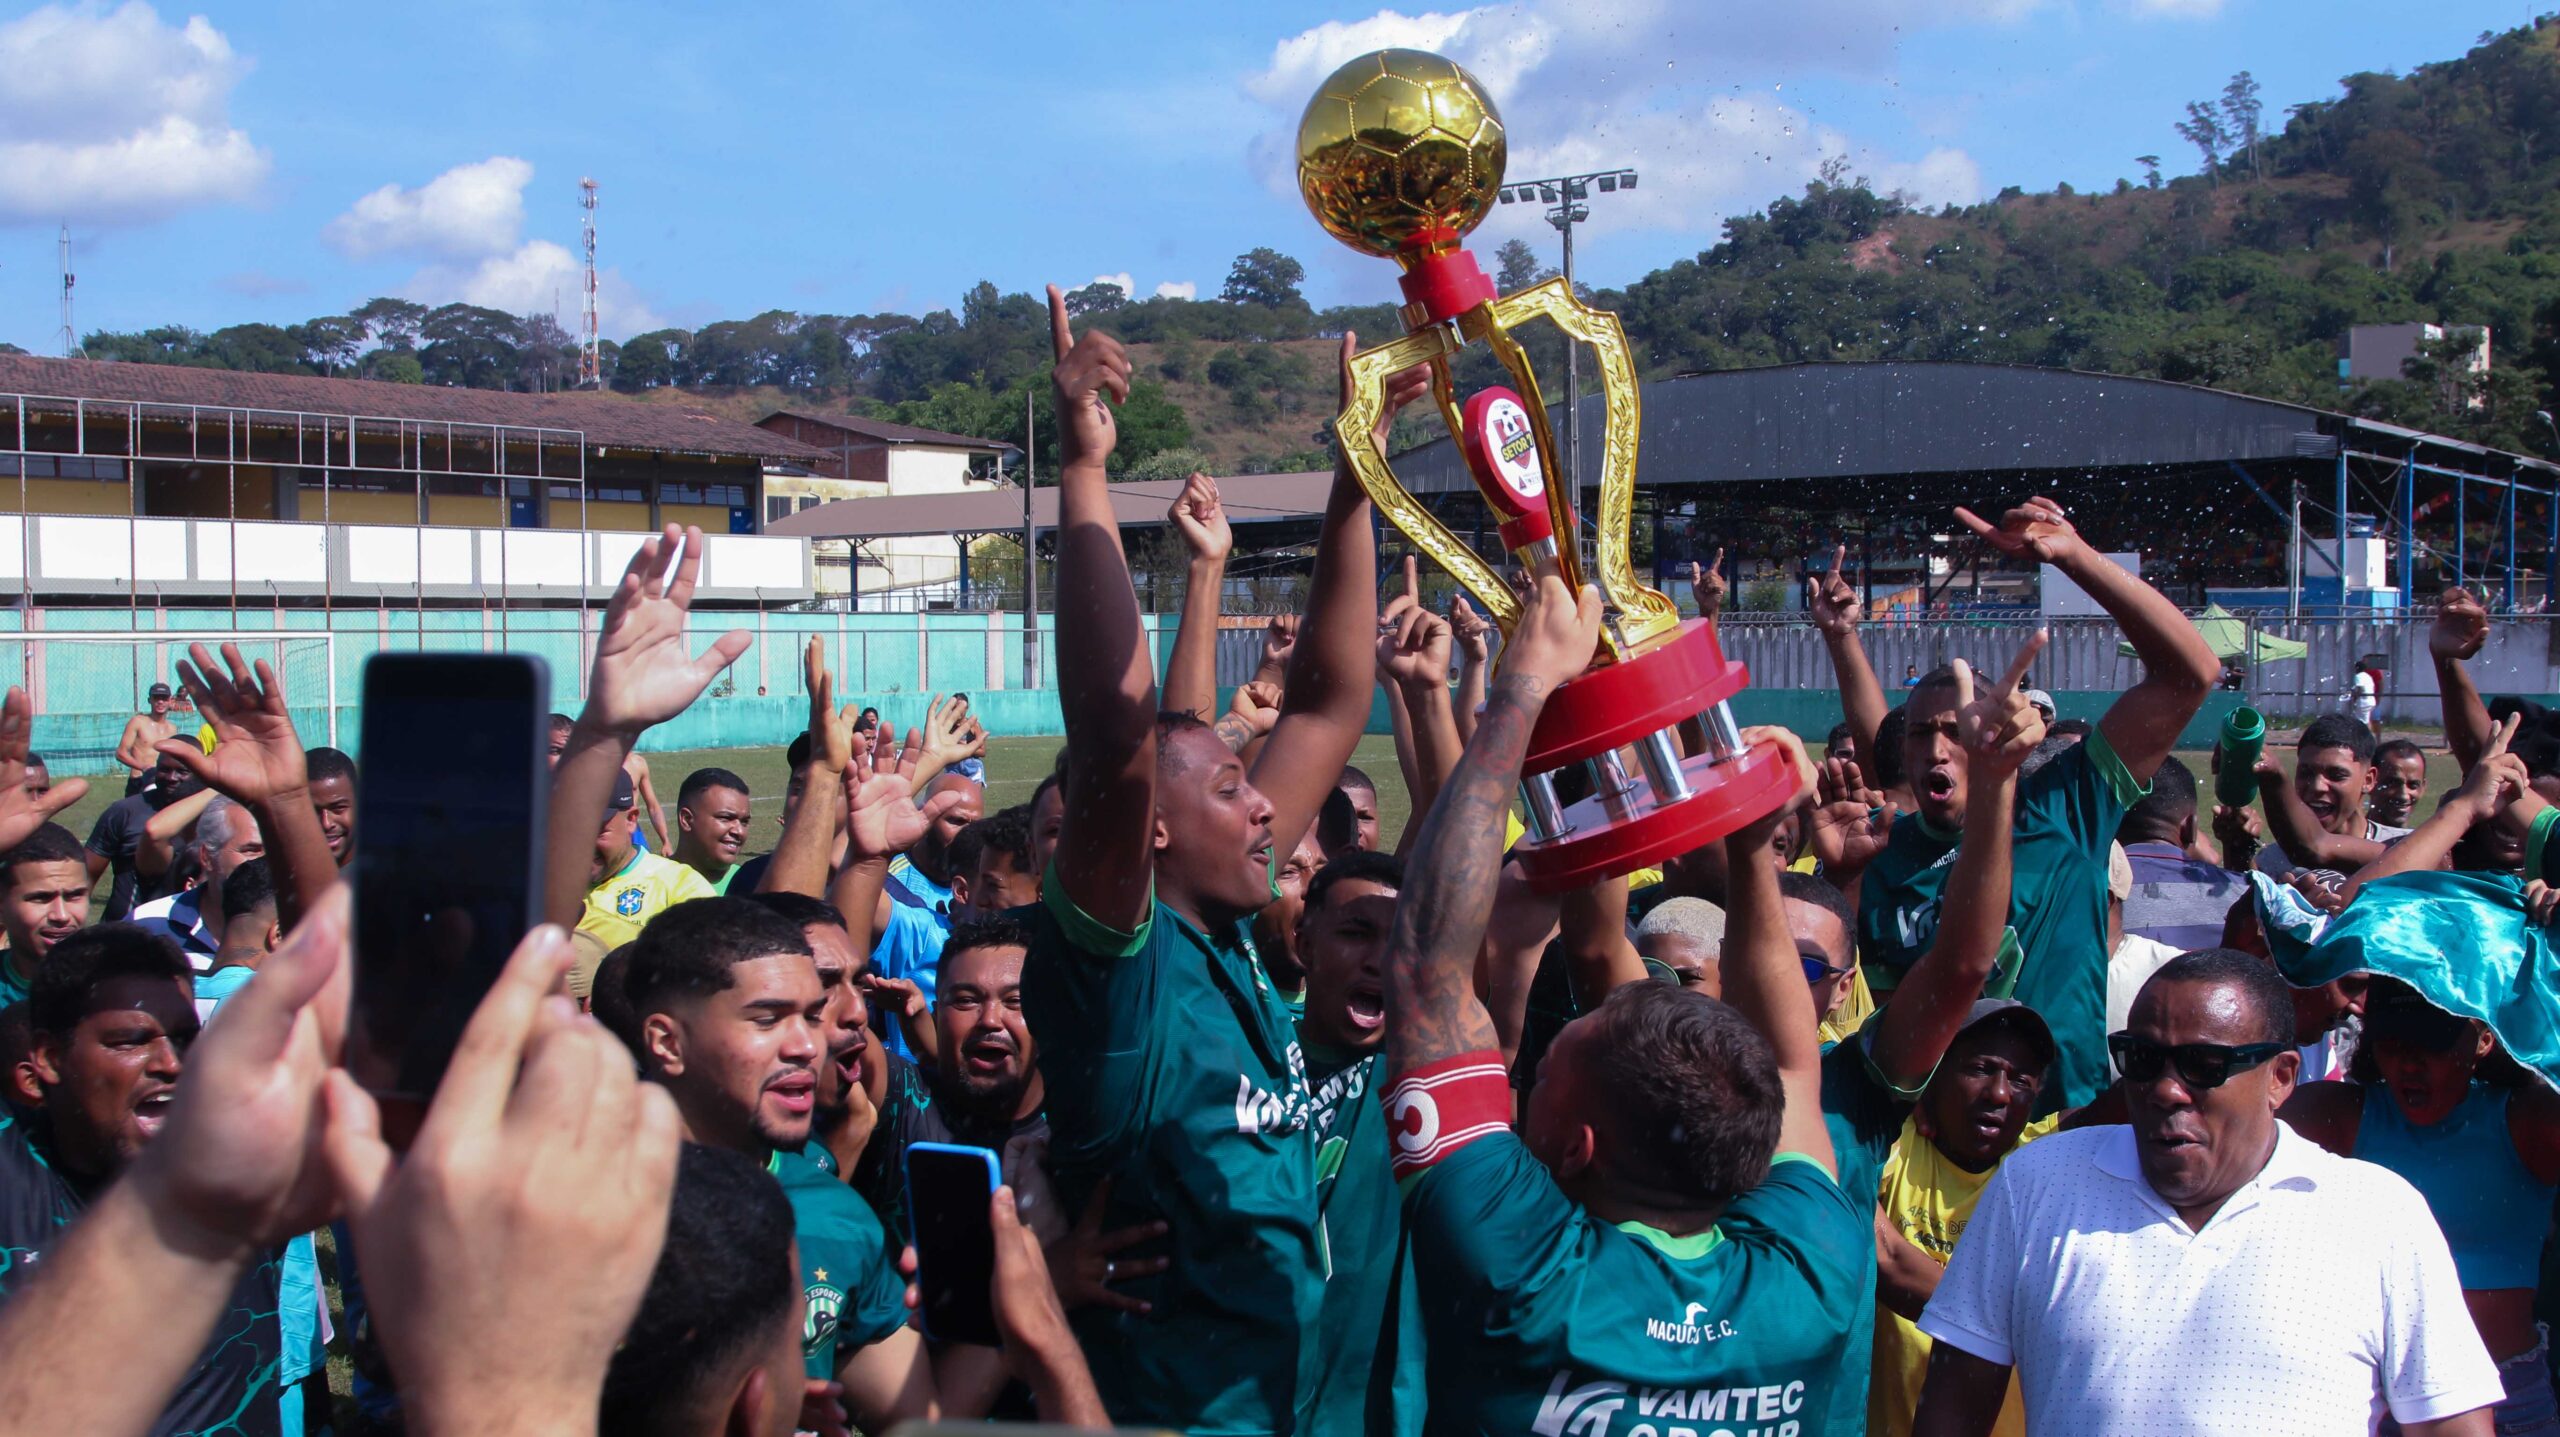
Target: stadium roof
[1247, 498]
[605, 420]
[1893, 420]
[881, 431]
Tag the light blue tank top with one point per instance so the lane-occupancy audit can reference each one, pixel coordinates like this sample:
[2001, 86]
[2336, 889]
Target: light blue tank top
[2492, 1211]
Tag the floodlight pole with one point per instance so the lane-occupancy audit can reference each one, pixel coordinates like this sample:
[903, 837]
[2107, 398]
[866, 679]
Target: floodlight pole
[1566, 194]
[1030, 556]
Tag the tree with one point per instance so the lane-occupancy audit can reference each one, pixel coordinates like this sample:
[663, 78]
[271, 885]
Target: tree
[258, 348]
[392, 323]
[470, 346]
[2202, 128]
[2150, 170]
[648, 361]
[547, 359]
[2241, 109]
[392, 366]
[331, 342]
[1266, 277]
[1515, 266]
[1100, 297]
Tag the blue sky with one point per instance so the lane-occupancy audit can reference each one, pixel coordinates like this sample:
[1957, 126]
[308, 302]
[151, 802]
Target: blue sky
[275, 161]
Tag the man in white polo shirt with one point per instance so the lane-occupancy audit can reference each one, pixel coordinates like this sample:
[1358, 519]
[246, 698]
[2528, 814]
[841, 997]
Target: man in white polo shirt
[2204, 1269]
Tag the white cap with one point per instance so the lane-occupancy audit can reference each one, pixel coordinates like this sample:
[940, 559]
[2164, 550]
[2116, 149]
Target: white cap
[2038, 698]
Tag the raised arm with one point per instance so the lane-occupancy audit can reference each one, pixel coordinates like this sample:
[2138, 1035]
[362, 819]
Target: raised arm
[1764, 979]
[2178, 669]
[21, 815]
[1998, 729]
[2491, 785]
[1106, 683]
[882, 820]
[257, 760]
[1413, 652]
[1473, 633]
[1450, 877]
[804, 859]
[2461, 627]
[2295, 830]
[642, 675]
[1324, 704]
[1594, 924]
[160, 835]
[1707, 586]
[1833, 602]
[1191, 674]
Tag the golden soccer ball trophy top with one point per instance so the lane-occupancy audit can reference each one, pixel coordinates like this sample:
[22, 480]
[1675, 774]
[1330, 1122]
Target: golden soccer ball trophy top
[1400, 154]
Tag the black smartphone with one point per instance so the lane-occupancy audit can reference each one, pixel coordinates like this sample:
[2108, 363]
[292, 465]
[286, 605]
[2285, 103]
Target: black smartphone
[452, 784]
[947, 1191]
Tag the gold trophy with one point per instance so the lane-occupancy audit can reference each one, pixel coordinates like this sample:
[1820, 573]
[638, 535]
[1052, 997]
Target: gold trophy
[1400, 154]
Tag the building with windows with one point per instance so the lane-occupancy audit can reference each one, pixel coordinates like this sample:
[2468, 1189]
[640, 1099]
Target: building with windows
[874, 459]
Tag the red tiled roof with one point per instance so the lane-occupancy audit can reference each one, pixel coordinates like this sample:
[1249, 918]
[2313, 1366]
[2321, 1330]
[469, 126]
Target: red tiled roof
[609, 420]
[881, 431]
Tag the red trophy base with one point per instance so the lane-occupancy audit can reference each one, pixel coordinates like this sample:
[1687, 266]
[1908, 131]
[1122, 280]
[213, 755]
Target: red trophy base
[1667, 805]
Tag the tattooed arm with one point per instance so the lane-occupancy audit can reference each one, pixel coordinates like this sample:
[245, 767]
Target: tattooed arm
[1456, 859]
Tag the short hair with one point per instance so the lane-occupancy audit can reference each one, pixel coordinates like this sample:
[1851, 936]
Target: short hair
[1884, 766]
[214, 824]
[798, 909]
[1171, 723]
[2047, 749]
[1354, 777]
[51, 843]
[609, 997]
[724, 1277]
[1057, 777]
[66, 983]
[250, 887]
[994, 932]
[688, 950]
[2072, 728]
[795, 756]
[2171, 801]
[1361, 865]
[1688, 1090]
[322, 764]
[1822, 893]
[1692, 918]
[1839, 732]
[2255, 977]
[1006, 831]
[2337, 731]
[190, 740]
[707, 778]
[562, 723]
[2384, 752]
[35, 760]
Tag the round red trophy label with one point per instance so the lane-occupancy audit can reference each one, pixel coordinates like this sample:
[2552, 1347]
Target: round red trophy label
[1502, 451]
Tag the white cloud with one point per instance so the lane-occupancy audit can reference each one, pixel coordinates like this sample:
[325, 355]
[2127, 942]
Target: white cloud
[473, 209]
[1178, 289]
[1940, 177]
[111, 116]
[1127, 285]
[536, 277]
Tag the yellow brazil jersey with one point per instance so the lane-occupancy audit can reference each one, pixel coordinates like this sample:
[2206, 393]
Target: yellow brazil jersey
[647, 886]
[1857, 1005]
[1928, 1200]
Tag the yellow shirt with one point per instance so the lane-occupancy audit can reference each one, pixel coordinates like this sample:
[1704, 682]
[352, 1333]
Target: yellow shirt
[647, 886]
[1857, 1005]
[1928, 1200]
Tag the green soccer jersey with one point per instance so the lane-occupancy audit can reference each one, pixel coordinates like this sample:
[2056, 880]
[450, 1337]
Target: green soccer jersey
[2066, 821]
[1369, 1372]
[1172, 1069]
[1863, 1116]
[856, 1297]
[13, 989]
[1544, 1319]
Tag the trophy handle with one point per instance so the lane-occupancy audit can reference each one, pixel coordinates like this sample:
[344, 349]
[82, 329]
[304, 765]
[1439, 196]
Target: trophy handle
[1643, 613]
[1351, 429]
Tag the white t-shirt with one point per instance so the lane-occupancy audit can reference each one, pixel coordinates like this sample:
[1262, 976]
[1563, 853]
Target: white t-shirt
[2128, 968]
[2319, 1296]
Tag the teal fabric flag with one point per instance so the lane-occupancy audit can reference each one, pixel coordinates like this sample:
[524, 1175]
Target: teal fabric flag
[2463, 941]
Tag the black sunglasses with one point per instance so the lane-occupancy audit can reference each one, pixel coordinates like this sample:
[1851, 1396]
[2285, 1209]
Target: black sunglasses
[2201, 1066]
[1815, 970]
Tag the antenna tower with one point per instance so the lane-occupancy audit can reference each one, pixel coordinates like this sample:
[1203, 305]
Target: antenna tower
[70, 342]
[590, 354]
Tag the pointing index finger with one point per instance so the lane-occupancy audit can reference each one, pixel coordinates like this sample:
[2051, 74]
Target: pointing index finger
[1964, 685]
[2026, 659]
[2499, 740]
[1062, 337]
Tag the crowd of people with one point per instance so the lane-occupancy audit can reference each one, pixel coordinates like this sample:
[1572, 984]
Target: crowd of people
[1997, 1081]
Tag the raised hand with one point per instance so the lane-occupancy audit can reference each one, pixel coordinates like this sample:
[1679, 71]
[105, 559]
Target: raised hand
[1403, 388]
[952, 733]
[1556, 635]
[2494, 783]
[1754, 836]
[2039, 529]
[882, 818]
[1092, 375]
[833, 741]
[1279, 638]
[544, 1167]
[21, 815]
[256, 753]
[1472, 631]
[1250, 715]
[1202, 520]
[1707, 585]
[2461, 626]
[1086, 1261]
[1999, 728]
[1850, 823]
[1832, 600]
[643, 674]
[1413, 644]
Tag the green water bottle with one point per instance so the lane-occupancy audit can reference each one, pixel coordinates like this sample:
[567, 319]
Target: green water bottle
[2244, 737]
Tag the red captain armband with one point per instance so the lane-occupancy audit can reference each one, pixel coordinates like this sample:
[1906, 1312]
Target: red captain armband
[1439, 1109]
